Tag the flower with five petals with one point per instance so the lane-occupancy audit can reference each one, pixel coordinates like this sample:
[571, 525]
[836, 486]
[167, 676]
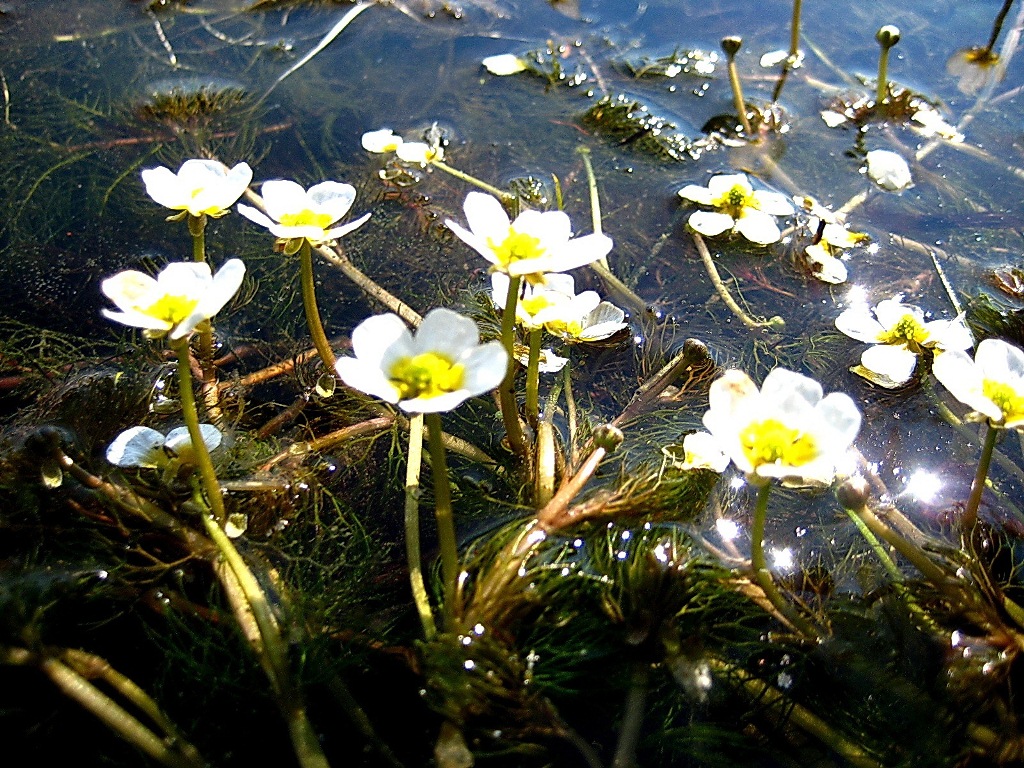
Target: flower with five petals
[738, 208]
[899, 334]
[434, 370]
[199, 188]
[534, 244]
[295, 214]
[178, 299]
[786, 429]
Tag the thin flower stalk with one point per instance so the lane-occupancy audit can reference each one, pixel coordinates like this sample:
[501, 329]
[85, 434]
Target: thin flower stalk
[731, 46]
[443, 514]
[595, 200]
[774, 323]
[501, 194]
[506, 390]
[970, 516]
[533, 377]
[316, 328]
[413, 554]
[763, 576]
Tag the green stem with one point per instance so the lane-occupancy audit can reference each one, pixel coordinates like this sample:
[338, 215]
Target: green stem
[775, 322]
[737, 96]
[304, 739]
[533, 377]
[197, 228]
[506, 392]
[412, 526]
[882, 89]
[970, 516]
[502, 195]
[595, 200]
[188, 408]
[794, 32]
[876, 546]
[443, 514]
[316, 328]
[760, 565]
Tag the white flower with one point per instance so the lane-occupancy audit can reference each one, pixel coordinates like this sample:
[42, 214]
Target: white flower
[200, 187]
[145, 447]
[419, 152]
[556, 307]
[381, 141]
[295, 214]
[899, 333]
[992, 384]
[888, 170]
[176, 301]
[435, 370]
[547, 361]
[739, 208]
[786, 430]
[504, 64]
[534, 244]
[823, 256]
[700, 450]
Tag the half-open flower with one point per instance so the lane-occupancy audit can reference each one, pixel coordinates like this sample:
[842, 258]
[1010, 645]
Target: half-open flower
[786, 430]
[295, 214]
[176, 300]
[538, 303]
[899, 334]
[992, 384]
[147, 448]
[534, 244]
[823, 257]
[199, 188]
[433, 371]
[381, 141]
[738, 207]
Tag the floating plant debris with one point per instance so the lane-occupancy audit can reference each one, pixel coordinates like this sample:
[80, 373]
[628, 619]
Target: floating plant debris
[628, 122]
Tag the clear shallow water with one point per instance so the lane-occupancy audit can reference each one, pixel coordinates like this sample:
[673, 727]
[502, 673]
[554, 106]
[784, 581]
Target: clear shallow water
[75, 135]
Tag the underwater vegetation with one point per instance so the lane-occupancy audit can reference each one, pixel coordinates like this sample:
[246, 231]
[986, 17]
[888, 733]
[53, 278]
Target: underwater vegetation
[352, 422]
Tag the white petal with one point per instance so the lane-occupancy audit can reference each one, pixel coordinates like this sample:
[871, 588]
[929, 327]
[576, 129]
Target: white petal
[504, 64]
[888, 170]
[162, 185]
[366, 377]
[447, 333]
[697, 194]
[710, 223]
[332, 197]
[1000, 361]
[891, 311]
[719, 185]
[758, 227]
[964, 379]
[283, 196]
[774, 203]
[575, 253]
[949, 334]
[702, 451]
[837, 421]
[255, 215]
[438, 404]
[335, 232]
[791, 393]
[137, 447]
[894, 364]
[383, 140]
[216, 294]
[485, 367]
[858, 323]
[380, 337]
[824, 265]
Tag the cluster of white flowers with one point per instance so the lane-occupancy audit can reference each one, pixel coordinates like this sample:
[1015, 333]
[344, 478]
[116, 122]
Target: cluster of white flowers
[385, 140]
[738, 207]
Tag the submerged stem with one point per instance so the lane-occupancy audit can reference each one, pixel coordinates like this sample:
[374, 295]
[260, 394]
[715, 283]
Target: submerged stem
[970, 516]
[723, 292]
[412, 526]
[316, 328]
[443, 513]
[595, 200]
[533, 377]
[506, 392]
[502, 195]
[759, 564]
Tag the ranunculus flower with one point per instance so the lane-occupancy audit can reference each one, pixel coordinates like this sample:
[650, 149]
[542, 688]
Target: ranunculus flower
[738, 207]
[899, 334]
[785, 430]
[176, 301]
[434, 370]
[146, 447]
[992, 383]
[199, 188]
[295, 214]
[534, 244]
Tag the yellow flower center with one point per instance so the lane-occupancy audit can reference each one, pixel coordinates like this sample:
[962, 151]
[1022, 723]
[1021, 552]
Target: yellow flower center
[770, 442]
[1006, 398]
[571, 329]
[429, 374]
[734, 200]
[516, 246]
[172, 309]
[307, 218]
[534, 304]
[907, 330]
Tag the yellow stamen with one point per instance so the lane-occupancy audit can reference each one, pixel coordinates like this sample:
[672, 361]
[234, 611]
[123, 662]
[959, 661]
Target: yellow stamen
[307, 218]
[772, 442]
[429, 374]
[172, 309]
[1006, 398]
[516, 246]
[907, 330]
